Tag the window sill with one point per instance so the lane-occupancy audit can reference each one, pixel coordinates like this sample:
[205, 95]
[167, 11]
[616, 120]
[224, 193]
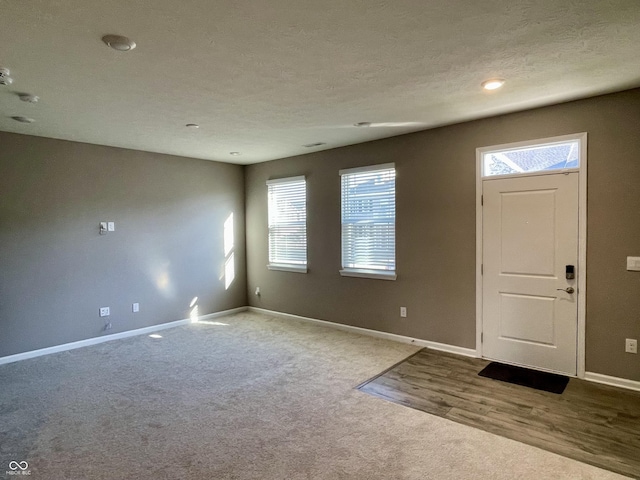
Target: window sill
[375, 274]
[287, 268]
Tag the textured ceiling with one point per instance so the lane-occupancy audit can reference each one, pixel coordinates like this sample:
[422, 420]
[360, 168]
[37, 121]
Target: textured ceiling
[266, 77]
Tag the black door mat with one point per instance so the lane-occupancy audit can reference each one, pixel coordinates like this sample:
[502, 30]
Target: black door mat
[549, 382]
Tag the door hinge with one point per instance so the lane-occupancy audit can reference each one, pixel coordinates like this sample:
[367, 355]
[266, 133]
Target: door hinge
[481, 337]
[482, 269]
[481, 199]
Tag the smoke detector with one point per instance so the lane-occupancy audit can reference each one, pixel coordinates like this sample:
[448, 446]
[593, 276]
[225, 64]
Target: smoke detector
[5, 79]
[118, 42]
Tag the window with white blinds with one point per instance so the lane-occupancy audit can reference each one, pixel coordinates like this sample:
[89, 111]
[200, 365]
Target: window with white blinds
[369, 221]
[287, 205]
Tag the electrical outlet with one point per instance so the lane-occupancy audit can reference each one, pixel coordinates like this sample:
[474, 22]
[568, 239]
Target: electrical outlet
[107, 326]
[258, 291]
[104, 311]
[136, 307]
[631, 345]
[633, 264]
[403, 312]
[111, 226]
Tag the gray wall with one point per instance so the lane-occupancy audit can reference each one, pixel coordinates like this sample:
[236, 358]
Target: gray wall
[55, 268]
[436, 229]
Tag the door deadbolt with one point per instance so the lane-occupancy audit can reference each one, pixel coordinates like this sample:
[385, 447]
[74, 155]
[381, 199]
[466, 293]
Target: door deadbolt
[568, 289]
[570, 272]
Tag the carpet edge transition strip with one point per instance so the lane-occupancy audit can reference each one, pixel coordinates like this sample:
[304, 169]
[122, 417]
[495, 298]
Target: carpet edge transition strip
[375, 377]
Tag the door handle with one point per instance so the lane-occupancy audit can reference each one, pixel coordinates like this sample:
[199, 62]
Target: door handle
[568, 289]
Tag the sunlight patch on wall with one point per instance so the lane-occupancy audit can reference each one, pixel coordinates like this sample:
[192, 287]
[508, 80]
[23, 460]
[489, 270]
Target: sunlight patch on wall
[229, 263]
[229, 271]
[228, 235]
[162, 281]
[161, 278]
[193, 316]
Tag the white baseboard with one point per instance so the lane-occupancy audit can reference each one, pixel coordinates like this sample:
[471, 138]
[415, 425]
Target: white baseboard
[613, 381]
[115, 336]
[468, 352]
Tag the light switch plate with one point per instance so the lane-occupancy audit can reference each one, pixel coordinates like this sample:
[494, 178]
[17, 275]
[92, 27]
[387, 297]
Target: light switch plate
[136, 307]
[633, 264]
[111, 226]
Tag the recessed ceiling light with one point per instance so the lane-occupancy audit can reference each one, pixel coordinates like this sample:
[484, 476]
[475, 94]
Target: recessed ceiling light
[235, 154]
[118, 42]
[23, 119]
[192, 125]
[362, 124]
[493, 83]
[311, 145]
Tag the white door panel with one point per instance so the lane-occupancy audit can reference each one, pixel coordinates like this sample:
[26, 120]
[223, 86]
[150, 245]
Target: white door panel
[527, 318]
[530, 233]
[534, 235]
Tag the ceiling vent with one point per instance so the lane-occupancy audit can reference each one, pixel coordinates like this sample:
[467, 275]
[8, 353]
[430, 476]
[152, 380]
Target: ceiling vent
[23, 119]
[26, 97]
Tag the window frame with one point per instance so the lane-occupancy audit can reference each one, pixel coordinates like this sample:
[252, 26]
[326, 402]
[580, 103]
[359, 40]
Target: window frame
[283, 265]
[378, 274]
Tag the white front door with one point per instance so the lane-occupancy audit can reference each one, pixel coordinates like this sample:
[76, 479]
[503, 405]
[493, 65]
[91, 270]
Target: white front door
[530, 235]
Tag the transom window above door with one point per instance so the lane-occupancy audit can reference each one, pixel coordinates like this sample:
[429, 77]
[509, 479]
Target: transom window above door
[531, 158]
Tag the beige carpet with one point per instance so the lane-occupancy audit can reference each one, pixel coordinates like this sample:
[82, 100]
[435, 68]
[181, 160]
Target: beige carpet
[257, 398]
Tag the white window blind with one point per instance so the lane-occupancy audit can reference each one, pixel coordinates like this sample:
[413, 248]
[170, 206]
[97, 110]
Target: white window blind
[369, 218]
[287, 205]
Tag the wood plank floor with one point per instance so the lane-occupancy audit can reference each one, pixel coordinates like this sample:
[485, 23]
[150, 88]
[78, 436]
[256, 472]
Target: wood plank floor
[592, 423]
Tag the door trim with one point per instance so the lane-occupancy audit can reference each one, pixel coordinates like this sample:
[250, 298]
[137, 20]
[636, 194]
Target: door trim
[582, 236]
